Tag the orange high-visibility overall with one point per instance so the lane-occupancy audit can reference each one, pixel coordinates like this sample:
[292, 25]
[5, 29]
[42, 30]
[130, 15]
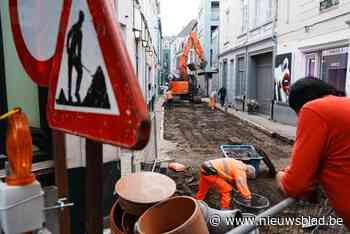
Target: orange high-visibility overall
[169, 95]
[229, 172]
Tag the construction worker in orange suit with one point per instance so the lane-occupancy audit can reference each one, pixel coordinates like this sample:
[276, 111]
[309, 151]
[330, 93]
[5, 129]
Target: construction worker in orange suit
[222, 174]
[168, 98]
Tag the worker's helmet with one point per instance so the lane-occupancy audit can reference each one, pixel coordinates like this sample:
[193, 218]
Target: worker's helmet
[251, 172]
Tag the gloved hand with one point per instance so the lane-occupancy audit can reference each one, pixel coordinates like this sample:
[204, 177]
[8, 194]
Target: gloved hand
[247, 202]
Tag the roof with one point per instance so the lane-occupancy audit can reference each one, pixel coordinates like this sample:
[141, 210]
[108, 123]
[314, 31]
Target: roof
[188, 28]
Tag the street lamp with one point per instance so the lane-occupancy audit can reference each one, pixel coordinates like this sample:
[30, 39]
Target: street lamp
[137, 34]
[144, 43]
[145, 40]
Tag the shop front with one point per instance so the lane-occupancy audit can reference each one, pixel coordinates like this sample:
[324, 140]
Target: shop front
[329, 65]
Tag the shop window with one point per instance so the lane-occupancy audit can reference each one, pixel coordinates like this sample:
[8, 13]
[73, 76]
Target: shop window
[334, 67]
[312, 65]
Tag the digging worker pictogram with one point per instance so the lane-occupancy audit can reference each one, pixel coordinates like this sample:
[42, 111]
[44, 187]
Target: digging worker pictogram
[222, 174]
[74, 46]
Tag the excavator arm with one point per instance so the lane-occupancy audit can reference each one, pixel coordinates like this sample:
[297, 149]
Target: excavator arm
[191, 42]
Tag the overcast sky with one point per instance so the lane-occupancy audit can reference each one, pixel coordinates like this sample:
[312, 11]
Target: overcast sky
[176, 14]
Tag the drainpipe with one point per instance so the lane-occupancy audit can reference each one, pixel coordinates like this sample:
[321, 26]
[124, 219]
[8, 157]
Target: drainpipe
[247, 60]
[274, 54]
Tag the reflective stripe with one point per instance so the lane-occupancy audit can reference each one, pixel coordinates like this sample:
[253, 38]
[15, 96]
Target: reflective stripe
[224, 163]
[226, 169]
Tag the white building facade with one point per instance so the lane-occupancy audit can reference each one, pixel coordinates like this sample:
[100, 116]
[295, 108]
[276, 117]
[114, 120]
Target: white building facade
[314, 36]
[246, 48]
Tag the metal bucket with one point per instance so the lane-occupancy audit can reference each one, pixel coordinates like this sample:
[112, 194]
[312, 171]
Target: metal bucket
[177, 215]
[258, 204]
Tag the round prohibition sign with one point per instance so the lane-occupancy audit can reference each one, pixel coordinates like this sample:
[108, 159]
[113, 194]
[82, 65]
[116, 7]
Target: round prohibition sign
[120, 117]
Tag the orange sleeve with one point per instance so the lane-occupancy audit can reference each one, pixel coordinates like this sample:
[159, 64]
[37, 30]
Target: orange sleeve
[242, 185]
[301, 174]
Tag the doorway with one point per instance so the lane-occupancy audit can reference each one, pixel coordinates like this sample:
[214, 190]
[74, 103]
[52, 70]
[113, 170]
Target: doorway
[264, 82]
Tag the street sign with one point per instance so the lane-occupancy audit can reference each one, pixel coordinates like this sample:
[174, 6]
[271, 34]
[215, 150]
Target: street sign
[93, 90]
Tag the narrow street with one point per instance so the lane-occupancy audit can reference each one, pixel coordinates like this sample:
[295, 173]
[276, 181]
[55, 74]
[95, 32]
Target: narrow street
[198, 134]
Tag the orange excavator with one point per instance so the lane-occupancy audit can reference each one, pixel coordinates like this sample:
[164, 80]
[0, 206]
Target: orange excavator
[186, 85]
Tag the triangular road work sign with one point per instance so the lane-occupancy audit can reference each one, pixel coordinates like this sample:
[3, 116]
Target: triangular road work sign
[83, 83]
[93, 90]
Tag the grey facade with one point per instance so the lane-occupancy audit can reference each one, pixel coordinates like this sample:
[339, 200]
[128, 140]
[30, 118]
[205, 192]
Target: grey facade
[246, 56]
[208, 24]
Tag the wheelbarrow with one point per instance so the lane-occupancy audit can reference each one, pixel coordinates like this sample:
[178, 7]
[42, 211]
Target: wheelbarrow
[250, 155]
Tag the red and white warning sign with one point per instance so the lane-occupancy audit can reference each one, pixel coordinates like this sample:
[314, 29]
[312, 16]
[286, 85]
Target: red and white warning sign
[93, 91]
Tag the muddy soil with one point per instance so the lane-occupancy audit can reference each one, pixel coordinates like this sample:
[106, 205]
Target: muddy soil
[198, 133]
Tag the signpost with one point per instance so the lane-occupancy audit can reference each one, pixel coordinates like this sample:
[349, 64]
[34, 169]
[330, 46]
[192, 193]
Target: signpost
[93, 90]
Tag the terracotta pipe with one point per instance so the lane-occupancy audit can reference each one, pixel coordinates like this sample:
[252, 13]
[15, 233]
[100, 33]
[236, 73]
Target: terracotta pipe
[177, 215]
[115, 219]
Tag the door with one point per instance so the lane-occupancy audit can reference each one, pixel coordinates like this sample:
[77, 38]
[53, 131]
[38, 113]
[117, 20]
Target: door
[264, 82]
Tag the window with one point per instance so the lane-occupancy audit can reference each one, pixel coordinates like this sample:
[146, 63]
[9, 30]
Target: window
[334, 67]
[329, 65]
[244, 12]
[224, 74]
[215, 11]
[227, 25]
[326, 4]
[312, 65]
[240, 79]
[263, 12]
[230, 79]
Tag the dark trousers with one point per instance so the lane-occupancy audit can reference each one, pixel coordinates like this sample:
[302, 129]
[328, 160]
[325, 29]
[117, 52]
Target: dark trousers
[222, 102]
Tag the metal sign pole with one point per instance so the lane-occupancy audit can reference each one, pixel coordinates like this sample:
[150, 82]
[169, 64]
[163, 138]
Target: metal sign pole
[94, 187]
[61, 177]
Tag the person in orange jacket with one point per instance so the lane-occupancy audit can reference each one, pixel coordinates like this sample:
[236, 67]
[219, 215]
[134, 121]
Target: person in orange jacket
[168, 98]
[212, 100]
[222, 174]
[321, 152]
